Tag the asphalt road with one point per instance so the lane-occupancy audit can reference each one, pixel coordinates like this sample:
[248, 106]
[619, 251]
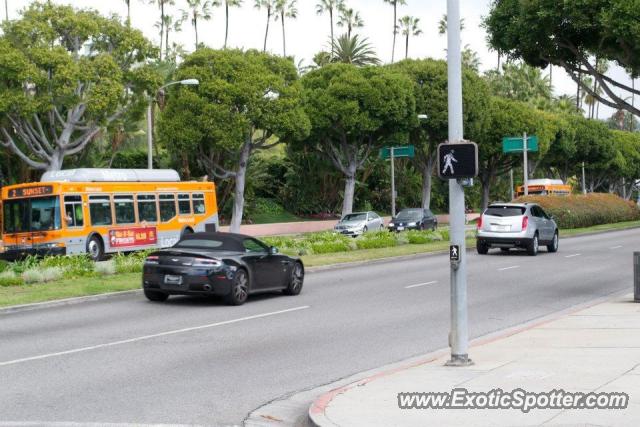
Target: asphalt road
[191, 361]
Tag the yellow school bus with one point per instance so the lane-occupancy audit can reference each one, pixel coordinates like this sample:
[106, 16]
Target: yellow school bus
[101, 211]
[545, 187]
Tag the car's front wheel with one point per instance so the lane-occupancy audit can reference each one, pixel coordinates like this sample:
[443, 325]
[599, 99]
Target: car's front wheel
[482, 248]
[533, 247]
[155, 296]
[296, 280]
[239, 289]
[553, 247]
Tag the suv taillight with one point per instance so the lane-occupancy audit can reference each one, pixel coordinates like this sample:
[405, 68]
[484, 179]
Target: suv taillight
[479, 222]
[525, 222]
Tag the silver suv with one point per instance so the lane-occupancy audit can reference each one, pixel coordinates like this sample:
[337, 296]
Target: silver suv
[516, 225]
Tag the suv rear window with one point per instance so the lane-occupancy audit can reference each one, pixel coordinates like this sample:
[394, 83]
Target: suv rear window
[504, 211]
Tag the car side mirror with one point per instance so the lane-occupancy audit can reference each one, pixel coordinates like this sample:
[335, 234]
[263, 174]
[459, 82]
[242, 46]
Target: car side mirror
[273, 250]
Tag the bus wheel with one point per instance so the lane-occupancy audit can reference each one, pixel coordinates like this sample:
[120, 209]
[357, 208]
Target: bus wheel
[95, 248]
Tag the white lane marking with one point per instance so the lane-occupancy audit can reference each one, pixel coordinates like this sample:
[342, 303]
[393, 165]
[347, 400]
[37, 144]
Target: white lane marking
[571, 256]
[615, 247]
[509, 268]
[420, 284]
[147, 337]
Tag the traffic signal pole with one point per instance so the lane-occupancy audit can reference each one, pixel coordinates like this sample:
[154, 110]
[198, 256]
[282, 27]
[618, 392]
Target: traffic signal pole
[459, 335]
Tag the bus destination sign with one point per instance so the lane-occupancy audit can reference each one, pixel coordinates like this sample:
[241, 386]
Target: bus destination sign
[40, 190]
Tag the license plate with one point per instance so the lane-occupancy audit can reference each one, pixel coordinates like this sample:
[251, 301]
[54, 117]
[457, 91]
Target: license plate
[400, 228]
[171, 279]
[501, 227]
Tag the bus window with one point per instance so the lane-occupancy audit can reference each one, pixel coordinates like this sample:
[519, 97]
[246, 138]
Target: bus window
[37, 214]
[100, 210]
[147, 208]
[73, 216]
[167, 207]
[198, 203]
[125, 212]
[184, 204]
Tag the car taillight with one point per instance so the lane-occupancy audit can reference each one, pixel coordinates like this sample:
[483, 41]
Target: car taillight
[525, 222]
[206, 262]
[479, 222]
[152, 259]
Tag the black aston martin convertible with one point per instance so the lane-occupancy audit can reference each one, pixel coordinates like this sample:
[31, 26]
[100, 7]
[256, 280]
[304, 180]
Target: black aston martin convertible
[224, 264]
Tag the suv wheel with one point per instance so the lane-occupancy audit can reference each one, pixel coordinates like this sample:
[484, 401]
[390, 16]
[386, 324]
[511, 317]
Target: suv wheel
[533, 246]
[482, 248]
[553, 247]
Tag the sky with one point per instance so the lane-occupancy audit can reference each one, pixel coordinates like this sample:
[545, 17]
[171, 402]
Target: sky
[309, 33]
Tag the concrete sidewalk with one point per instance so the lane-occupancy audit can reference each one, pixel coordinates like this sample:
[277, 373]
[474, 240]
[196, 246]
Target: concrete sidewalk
[280, 228]
[594, 349]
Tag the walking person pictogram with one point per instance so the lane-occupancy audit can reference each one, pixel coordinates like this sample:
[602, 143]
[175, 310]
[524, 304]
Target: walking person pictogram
[448, 158]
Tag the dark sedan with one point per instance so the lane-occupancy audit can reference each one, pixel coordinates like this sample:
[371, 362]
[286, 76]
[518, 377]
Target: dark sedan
[414, 219]
[223, 264]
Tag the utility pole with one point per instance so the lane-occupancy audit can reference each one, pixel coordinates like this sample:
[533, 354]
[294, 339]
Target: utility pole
[150, 133]
[393, 185]
[459, 335]
[525, 164]
[584, 181]
[511, 182]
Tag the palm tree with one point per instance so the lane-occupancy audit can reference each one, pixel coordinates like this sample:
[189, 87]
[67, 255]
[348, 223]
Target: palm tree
[285, 9]
[350, 19]
[128, 2]
[161, 4]
[269, 5]
[199, 9]
[227, 5]
[409, 27]
[170, 24]
[329, 6]
[395, 4]
[442, 29]
[352, 50]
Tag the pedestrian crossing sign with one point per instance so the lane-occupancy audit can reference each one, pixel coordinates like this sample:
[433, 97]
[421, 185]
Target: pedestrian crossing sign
[459, 160]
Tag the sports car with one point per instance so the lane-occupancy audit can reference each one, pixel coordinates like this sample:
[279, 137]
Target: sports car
[223, 264]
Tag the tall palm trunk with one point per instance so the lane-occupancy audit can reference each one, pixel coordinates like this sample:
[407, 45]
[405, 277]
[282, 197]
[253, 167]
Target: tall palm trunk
[332, 38]
[6, 9]
[226, 24]
[395, 21]
[499, 58]
[266, 32]
[284, 37]
[161, 26]
[406, 49]
[195, 27]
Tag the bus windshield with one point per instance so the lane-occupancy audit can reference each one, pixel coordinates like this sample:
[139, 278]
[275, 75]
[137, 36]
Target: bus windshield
[34, 214]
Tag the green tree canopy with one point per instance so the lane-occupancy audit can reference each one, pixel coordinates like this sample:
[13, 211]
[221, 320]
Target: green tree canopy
[353, 111]
[66, 74]
[573, 35]
[246, 101]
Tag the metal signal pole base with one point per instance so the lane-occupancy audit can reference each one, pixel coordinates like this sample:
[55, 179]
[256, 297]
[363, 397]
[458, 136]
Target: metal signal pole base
[459, 360]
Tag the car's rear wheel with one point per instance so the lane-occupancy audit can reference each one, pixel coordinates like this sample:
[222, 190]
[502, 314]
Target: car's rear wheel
[533, 247]
[155, 295]
[296, 280]
[553, 247]
[482, 248]
[239, 289]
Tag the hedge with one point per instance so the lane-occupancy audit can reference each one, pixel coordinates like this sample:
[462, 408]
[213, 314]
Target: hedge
[586, 210]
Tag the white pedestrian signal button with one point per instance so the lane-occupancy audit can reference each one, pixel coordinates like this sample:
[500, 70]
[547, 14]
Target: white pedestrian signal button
[454, 253]
[458, 160]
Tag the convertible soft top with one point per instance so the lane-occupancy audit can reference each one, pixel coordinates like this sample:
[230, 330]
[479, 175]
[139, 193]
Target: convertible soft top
[229, 241]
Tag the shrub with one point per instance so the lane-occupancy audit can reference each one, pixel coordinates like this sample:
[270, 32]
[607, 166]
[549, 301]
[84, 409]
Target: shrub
[378, 239]
[105, 267]
[586, 210]
[422, 237]
[128, 263]
[50, 274]
[4, 266]
[27, 263]
[9, 278]
[33, 275]
[71, 266]
[329, 247]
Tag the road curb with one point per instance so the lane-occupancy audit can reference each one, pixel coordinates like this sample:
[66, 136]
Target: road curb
[593, 233]
[317, 410]
[66, 301]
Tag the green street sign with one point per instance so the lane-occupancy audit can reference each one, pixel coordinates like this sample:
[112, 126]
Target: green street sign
[402, 151]
[513, 144]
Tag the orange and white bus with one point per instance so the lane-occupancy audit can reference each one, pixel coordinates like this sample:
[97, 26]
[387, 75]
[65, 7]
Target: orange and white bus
[100, 211]
[545, 187]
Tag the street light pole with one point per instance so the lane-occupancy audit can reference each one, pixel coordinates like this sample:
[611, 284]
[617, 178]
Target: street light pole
[459, 335]
[393, 185]
[186, 82]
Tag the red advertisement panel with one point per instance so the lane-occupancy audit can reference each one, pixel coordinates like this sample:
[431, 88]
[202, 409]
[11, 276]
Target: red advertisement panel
[138, 236]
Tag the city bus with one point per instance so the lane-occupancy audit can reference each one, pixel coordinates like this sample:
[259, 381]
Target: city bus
[102, 211]
[545, 187]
